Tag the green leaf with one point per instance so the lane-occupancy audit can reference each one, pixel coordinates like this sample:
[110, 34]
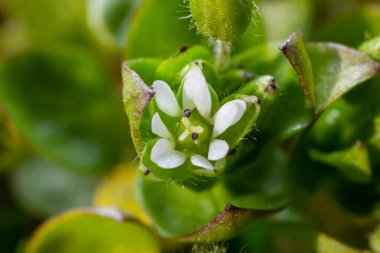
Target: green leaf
[353, 163]
[336, 69]
[294, 49]
[136, 96]
[194, 215]
[372, 48]
[55, 97]
[157, 29]
[44, 189]
[178, 210]
[337, 128]
[92, 230]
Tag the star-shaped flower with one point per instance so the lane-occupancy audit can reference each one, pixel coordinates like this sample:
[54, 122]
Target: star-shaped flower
[184, 123]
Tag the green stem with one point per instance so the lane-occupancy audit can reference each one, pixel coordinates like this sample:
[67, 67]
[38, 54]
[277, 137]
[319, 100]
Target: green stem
[222, 52]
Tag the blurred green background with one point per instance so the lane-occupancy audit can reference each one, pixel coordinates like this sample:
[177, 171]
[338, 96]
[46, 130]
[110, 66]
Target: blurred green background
[64, 136]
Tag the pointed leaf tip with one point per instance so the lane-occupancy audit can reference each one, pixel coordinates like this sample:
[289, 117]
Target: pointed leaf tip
[136, 96]
[327, 71]
[295, 51]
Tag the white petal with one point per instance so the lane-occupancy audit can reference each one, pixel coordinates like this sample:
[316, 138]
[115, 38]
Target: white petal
[159, 128]
[230, 113]
[202, 162]
[164, 155]
[218, 150]
[165, 99]
[196, 92]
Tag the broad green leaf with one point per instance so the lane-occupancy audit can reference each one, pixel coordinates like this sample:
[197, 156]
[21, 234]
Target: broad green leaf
[110, 18]
[372, 48]
[338, 127]
[158, 29]
[136, 96]
[62, 102]
[336, 69]
[178, 210]
[353, 163]
[44, 189]
[193, 215]
[118, 190]
[92, 230]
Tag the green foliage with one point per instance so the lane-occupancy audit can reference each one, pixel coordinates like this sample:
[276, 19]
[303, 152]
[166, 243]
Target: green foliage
[41, 90]
[96, 230]
[291, 163]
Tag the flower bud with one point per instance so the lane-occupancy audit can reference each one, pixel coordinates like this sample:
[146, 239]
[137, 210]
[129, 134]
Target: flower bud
[222, 19]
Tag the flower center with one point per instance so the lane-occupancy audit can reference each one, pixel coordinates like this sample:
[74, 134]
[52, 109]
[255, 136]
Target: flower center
[193, 134]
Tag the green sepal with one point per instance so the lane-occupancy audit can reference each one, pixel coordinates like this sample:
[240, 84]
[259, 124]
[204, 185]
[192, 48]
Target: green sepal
[176, 174]
[235, 133]
[264, 87]
[221, 19]
[136, 96]
[169, 69]
[219, 167]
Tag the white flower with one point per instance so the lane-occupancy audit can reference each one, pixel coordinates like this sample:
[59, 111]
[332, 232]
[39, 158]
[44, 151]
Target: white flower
[195, 95]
